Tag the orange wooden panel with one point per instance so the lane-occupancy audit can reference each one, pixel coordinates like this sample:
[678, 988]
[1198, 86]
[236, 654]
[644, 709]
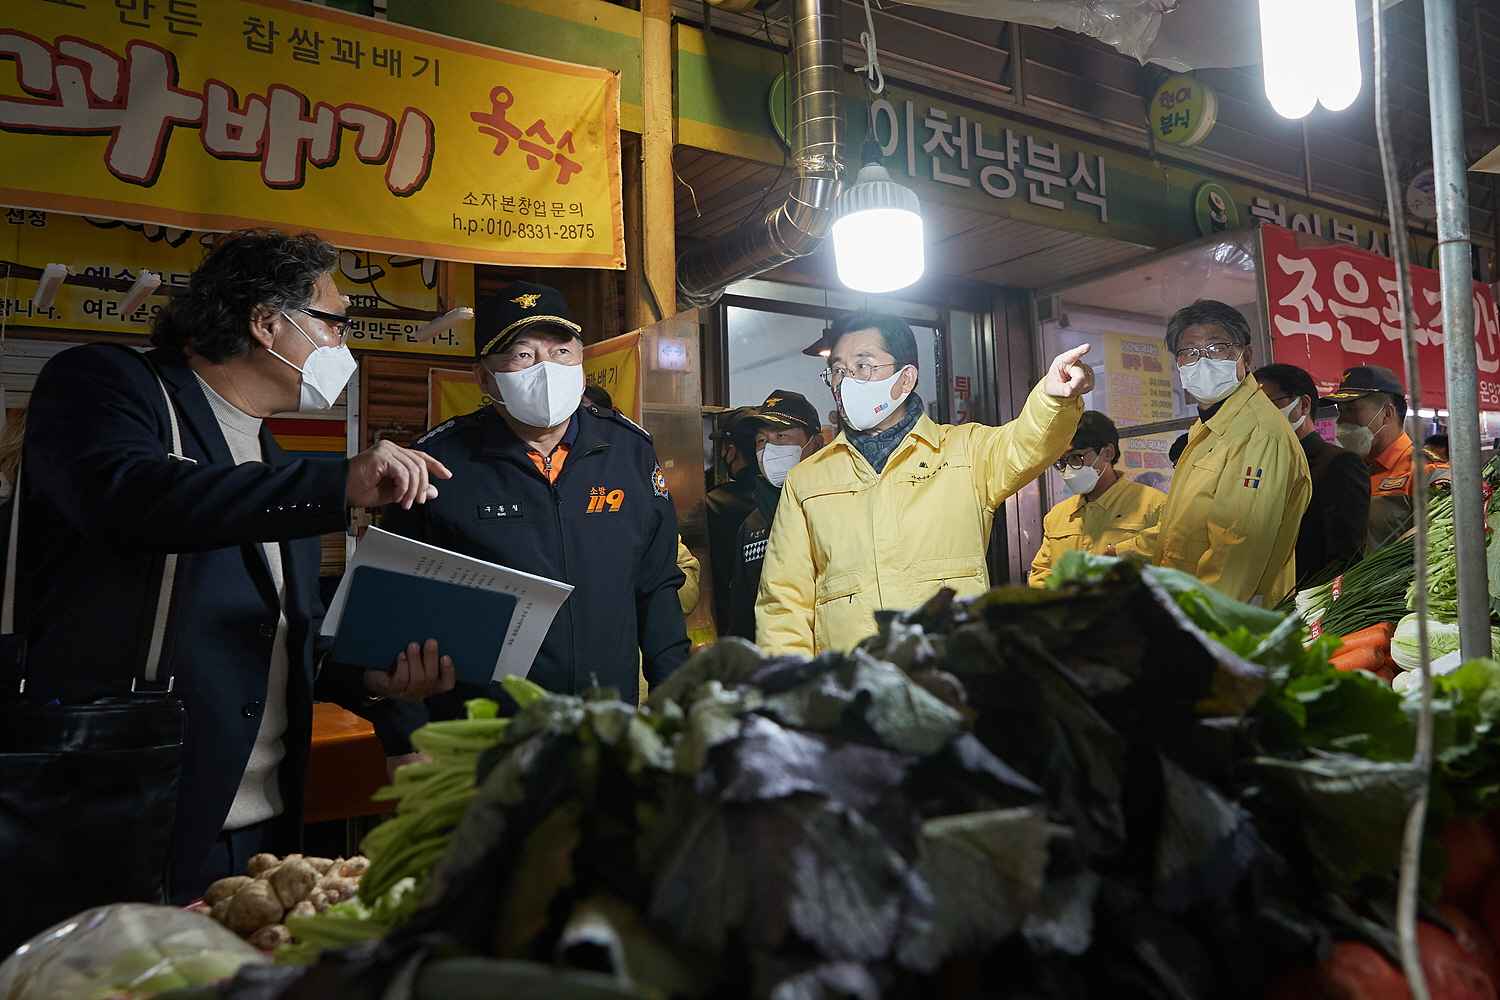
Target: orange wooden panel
[346, 767]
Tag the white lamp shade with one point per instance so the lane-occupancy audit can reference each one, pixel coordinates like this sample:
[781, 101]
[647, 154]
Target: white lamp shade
[877, 234]
[1342, 74]
[1310, 55]
[1288, 61]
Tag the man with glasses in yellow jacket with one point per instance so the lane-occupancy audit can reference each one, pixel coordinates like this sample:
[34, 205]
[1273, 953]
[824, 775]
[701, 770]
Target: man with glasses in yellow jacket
[1103, 507]
[1241, 486]
[897, 507]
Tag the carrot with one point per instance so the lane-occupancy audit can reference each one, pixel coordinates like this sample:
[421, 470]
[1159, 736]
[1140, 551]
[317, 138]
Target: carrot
[1383, 629]
[1358, 659]
[1365, 642]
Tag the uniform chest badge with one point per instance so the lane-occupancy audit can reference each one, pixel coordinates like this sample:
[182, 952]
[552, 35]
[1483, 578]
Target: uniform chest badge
[659, 484]
[499, 511]
[1253, 477]
[1393, 483]
[602, 499]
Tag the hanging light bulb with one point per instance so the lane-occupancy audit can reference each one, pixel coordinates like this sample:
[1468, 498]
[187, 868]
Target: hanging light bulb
[877, 231]
[1342, 74]
[1310, 55]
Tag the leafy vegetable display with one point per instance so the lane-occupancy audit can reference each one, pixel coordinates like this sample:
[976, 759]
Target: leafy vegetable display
[1130, 786]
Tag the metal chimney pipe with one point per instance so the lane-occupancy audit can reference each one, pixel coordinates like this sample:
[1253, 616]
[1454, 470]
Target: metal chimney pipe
[794, 228]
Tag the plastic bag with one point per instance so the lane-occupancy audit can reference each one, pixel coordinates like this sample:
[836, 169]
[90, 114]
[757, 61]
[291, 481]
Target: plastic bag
[124, 950]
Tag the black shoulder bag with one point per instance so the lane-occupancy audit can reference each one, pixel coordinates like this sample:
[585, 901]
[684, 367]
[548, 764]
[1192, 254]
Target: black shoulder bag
[88, 791]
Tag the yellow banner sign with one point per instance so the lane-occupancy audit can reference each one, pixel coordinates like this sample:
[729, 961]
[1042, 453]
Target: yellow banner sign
[110, 249]
[452, 392]
[275, 112]
[613, 364]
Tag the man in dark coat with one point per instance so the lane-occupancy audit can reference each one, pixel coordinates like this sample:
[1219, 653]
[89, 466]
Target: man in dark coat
[1333, 528]
[258, 331]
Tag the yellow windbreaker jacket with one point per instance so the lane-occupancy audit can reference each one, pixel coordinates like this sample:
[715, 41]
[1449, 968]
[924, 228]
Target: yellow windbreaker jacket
[1236, 502]
[848, 542]
[1125, 510]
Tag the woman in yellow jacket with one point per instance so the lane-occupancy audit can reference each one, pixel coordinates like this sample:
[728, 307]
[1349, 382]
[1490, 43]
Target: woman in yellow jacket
[897, 506]
[1241, 485]
[1105, 508]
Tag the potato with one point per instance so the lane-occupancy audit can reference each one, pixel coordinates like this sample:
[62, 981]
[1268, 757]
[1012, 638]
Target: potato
[271, 937]
[354, 867]
[253, 907]
[303, 909]
[338, 889]
[259, 864]
[226, 887]
[320, 865]
[293, 880]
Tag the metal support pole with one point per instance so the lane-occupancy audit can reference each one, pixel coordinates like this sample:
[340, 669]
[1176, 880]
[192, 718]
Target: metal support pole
[1455, 261]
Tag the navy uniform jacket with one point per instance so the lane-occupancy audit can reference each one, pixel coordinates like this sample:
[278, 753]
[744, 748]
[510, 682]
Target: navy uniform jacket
[728, 505]
[606, 526]
[744, 580]
[103, 502]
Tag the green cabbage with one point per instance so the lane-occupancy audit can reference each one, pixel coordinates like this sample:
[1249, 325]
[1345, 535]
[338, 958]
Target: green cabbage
[1442, 638]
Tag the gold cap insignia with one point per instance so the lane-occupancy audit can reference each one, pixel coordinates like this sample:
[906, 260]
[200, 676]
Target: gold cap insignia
[527, 301]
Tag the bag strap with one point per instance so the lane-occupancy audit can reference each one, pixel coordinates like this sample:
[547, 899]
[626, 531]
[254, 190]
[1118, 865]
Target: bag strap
[8, 602]
[169, 564]
[168, 570]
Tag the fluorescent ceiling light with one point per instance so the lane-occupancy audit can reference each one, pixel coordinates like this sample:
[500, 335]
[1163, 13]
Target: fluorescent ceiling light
[877, 232]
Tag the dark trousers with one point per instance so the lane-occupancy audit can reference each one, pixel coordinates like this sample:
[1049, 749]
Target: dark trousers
[230, 855]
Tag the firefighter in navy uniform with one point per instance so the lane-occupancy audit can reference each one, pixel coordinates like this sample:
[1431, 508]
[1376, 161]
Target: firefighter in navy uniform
[561, 490]
[785, 430]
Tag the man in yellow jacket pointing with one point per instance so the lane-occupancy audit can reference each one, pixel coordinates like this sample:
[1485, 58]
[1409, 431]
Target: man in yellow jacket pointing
[1241, 485]
[897, 506]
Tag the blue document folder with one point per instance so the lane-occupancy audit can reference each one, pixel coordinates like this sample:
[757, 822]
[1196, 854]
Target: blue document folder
[387, 610]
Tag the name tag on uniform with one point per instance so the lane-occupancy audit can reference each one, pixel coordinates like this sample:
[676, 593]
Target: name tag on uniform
[499, 511]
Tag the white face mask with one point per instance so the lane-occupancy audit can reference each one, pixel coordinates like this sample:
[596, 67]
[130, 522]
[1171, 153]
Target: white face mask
[867, 404]
[1210, 380]
[324, 373]
[776, 460]
[1357, 438]
[543, 395]
[1287, 412]
[1080, 481]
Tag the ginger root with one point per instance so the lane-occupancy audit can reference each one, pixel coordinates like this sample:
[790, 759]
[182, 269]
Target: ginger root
[293, 880]
[259, 864]
[338, 889]
[225, 888]
[253, 907]
[355, 867]
[271, 937]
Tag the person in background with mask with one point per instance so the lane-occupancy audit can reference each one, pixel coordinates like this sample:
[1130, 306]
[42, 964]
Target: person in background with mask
[258, 330]
[786, 431]
[560, 490]
[687, 594]
[897, 507]
[1372, 408]
[1333, 529]
[728, 504]
[1104, 507]
[1436, 448]
[1241, 484]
